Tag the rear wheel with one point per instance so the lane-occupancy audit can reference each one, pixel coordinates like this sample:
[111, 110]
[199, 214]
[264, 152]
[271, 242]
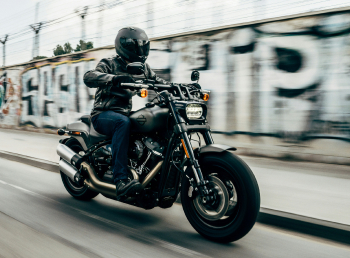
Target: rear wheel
[234, 211]
[80, 192]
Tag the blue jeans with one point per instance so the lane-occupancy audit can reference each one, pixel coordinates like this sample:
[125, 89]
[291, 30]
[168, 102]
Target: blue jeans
[117, 126]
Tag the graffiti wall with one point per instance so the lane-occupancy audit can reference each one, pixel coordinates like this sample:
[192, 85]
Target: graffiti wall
[286, 79]
[54, 94]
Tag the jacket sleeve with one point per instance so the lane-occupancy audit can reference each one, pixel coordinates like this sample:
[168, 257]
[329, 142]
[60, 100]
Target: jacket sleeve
[154, 76]
[101, 76]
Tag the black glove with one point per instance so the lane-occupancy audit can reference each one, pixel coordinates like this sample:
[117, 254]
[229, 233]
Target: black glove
[118, 79]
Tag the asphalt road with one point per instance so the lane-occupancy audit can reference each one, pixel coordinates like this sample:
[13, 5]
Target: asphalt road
[38, 218]
[315, 190]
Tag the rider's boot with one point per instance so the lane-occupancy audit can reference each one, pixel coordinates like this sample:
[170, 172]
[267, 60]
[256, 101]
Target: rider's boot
[125, 188]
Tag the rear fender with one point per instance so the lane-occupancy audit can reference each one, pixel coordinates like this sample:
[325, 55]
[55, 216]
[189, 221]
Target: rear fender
[83, 139]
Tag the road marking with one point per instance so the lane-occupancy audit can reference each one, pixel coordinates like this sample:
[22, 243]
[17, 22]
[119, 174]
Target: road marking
[164, 244]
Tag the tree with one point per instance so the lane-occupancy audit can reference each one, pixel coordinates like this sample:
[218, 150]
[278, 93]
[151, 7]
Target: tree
[58, 50]
[84, 45]
[66, 49]
[39, 57]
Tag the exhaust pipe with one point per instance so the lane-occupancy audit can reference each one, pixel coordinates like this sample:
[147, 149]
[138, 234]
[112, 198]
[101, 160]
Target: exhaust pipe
[71, 162]
[151, 174]
[107, 189]
[67, 169]
[96, 184]
[69, 155]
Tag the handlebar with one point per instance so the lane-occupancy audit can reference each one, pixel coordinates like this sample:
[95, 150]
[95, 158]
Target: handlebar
[159, 87]
[145, 86]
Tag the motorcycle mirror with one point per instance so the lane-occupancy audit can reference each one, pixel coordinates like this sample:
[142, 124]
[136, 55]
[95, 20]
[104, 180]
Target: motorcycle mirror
[195, 76]
[135, 68]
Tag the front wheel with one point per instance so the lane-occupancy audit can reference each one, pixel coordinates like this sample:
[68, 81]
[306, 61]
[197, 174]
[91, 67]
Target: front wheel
[235, 209]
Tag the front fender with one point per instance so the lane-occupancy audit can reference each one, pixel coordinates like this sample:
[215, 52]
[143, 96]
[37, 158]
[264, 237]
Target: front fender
[216, 148]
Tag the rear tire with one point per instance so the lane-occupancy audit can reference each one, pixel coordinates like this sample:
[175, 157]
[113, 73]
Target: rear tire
[75, 190]
[230, 170]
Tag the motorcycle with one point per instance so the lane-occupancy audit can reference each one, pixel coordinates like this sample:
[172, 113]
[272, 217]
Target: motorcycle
[219, 193]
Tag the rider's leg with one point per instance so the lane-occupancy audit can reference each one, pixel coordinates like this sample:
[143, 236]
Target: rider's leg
[117, 126]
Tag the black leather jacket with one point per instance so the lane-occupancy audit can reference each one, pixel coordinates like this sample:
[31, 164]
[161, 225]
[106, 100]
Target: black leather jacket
[101, 78]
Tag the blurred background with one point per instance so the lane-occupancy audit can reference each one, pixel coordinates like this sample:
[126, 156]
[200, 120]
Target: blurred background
[62, 20]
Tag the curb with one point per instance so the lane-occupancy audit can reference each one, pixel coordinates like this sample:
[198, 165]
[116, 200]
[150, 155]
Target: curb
[40, 163]
[293, 222]
[306, 225]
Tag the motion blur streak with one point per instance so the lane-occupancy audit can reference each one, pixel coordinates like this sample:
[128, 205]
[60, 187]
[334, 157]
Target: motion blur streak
[119, 226]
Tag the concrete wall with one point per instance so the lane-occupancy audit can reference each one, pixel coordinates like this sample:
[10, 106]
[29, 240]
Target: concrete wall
[278, 89]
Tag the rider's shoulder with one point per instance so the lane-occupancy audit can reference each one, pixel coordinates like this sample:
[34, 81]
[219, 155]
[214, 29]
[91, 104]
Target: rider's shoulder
[107, 59]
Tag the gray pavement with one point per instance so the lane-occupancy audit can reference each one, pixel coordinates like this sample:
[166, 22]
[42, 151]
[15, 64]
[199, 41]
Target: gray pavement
[36, 203]
[315, 190]
[19, 240]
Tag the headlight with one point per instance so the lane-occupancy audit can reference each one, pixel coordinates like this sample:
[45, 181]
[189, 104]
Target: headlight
[194, 111]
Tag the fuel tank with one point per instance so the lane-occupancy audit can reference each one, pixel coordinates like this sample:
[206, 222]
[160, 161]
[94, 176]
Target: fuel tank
[148, 120]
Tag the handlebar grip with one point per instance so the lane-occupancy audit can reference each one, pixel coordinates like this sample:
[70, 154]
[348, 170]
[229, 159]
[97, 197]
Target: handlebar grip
[134, 85]
[127, 84]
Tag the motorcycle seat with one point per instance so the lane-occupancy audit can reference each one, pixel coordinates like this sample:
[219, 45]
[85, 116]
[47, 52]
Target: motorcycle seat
[86, 119]
[94, 136]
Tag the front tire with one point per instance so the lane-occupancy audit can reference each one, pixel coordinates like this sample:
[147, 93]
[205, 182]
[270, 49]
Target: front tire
[75, 190]
[229, 174]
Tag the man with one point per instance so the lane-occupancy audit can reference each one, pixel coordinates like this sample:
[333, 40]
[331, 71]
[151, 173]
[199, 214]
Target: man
[110, 112]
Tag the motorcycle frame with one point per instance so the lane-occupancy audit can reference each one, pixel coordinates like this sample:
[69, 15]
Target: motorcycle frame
[181, 130]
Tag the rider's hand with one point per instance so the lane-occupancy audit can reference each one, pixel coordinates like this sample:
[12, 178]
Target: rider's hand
[118, 79]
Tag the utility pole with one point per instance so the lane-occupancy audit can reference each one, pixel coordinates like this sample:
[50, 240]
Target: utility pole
[3, 50]
[82, 13]
[36, 28]
[150, 17]
[100, 23]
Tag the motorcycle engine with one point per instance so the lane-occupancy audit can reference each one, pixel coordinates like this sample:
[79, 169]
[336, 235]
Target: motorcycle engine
[136, 150]
[144, 154]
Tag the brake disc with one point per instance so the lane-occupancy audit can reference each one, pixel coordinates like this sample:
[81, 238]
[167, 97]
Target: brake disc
[218, 209]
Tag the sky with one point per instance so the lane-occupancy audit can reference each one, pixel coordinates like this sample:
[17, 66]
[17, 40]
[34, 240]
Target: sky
[157, 17]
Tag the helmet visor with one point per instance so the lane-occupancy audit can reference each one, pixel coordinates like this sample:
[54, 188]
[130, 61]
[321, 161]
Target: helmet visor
[136, 46]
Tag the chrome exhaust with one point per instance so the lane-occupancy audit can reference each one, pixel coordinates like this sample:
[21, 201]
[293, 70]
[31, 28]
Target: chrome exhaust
[107, 189]
[152, 174]
[96, 184]
[69, 155]
[67, 169]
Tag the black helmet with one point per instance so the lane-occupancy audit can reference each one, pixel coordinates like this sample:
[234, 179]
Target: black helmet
[132, 44]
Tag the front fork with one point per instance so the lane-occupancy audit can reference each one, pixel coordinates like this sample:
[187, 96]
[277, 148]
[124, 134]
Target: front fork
[201, 185]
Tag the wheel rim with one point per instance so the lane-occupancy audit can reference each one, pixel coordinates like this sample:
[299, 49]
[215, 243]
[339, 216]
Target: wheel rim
[234, 191]
[218, 208]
